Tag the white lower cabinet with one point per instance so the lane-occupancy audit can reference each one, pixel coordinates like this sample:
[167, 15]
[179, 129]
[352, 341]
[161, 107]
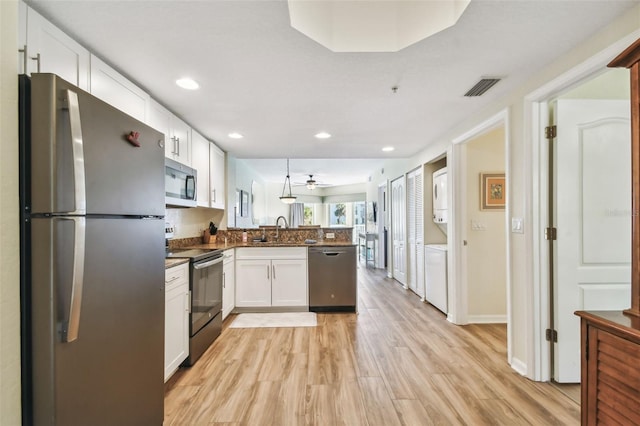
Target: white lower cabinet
[288, 282]
[176, 318]
[228, 283]
[271, 277]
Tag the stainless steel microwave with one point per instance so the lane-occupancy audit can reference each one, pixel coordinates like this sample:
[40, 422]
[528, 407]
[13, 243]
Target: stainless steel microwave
[179, 184]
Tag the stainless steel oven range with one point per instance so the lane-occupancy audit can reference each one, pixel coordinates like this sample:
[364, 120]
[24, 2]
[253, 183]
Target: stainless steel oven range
[205, 286]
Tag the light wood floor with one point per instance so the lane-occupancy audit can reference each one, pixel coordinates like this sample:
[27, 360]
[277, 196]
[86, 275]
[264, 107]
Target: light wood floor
[398, 362]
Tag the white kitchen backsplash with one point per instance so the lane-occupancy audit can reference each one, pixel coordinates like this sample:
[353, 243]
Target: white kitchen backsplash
[190, 222]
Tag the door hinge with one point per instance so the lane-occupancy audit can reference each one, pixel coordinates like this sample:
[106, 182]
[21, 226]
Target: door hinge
[550, 234]
[550, 132]
[551, 335]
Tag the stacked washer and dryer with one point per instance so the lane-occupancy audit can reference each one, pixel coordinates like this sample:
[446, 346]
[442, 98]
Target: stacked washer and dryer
[436, 288]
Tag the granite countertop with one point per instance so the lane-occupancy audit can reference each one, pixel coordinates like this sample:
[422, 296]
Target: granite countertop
[169, 263]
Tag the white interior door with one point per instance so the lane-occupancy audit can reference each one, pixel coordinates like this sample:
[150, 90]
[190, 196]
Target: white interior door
[419, 241]
[411, 232]
[593, 219]
[399, 225]
[415, 230]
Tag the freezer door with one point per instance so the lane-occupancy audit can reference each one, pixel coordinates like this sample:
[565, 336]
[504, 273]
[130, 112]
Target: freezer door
[113, 371]
[88, 157]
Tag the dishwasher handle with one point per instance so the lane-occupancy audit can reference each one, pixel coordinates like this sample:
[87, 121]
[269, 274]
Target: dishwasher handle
[333, 253]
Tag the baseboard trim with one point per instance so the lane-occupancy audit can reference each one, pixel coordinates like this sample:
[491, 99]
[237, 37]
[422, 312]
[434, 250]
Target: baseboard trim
[519, 366]
[487, 319]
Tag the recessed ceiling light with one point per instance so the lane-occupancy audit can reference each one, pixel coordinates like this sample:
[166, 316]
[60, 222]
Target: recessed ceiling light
[235, 135]
[323, 135]
[388, 148]
[187, 83]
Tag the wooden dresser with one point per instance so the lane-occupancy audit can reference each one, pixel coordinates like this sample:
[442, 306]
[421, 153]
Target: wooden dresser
[610, 352]
[610, 374]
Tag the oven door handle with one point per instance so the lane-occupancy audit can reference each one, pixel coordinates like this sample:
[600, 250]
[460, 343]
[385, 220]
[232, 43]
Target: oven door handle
[207, 264]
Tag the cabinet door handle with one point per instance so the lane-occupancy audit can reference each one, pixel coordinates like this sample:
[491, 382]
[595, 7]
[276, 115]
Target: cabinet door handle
[224, 280]
[268, 277]
[24, 58]
[172, 279]
[214, 195]
[37, 59]
[178, 140]
[273, 267]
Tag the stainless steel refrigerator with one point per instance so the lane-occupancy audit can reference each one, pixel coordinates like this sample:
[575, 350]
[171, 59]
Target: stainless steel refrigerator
[92, 260]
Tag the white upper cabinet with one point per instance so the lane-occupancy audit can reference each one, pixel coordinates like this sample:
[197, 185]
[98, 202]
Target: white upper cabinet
[200, 150]
[178, 146]
[216, 177]
[177, 133]
[113, 88]
[50, 50]
[160, 119]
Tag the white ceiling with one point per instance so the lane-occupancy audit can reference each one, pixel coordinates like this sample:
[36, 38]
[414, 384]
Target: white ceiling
[264, 79]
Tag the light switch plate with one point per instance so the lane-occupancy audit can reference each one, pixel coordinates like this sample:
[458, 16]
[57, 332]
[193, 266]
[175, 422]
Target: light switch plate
[477, 226]
[517, 225]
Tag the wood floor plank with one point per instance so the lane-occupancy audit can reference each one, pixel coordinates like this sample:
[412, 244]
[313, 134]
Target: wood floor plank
[321, 407]
[350, 410]
[263, 405]
[293, 392]
[398, 361]
[412, 412]
[377, 402]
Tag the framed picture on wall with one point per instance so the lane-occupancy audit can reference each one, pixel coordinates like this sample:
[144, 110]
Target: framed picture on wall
[493, 191]
[244, 204]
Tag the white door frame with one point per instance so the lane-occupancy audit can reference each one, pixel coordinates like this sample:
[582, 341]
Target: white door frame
[537, 173]
[457, 270]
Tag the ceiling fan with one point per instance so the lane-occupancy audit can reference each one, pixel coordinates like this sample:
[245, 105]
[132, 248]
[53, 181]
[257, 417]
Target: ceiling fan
[311, 183]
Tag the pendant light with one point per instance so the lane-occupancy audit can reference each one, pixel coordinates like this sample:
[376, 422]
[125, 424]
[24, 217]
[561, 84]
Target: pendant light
[287, 198]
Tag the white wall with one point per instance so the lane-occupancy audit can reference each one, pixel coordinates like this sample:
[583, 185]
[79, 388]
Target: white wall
[9, 208]
[612, 84]
[486, 250]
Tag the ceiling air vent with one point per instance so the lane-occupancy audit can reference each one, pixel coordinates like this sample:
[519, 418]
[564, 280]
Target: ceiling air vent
[482, 86]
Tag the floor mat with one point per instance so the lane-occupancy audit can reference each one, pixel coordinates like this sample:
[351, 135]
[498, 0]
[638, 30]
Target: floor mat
[275, 319]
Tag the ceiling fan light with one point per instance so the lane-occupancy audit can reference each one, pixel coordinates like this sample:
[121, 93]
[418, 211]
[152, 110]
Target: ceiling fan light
[311, 185]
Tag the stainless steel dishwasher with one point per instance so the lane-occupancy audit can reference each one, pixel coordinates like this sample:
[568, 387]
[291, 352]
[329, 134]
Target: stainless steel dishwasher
[332, 279]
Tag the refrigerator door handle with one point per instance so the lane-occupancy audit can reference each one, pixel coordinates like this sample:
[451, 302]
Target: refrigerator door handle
[71, 326]
[77, 145]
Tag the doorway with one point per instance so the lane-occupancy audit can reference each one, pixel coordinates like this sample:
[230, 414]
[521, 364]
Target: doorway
[467, 212]
[590, 200]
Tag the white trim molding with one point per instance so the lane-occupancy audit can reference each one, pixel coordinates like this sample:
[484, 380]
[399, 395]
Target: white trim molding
[487, 319]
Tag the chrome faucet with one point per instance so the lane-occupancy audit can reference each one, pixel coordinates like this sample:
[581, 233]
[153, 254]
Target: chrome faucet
[286, 225]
